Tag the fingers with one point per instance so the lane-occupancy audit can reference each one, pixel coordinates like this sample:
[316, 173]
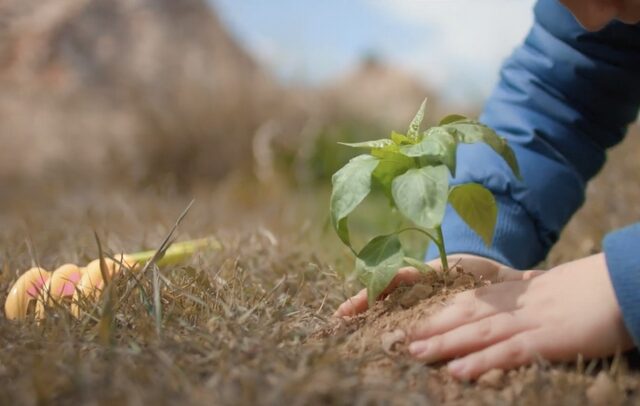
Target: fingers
[480, 267]
[358, 303]
[405, 276]
[488, 269]
[507, 354]
[468, 338]
[409, 275]
[354, 305]
[468, 307]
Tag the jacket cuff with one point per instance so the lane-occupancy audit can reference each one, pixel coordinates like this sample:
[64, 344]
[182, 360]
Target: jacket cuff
[623, 261]
[514, 243]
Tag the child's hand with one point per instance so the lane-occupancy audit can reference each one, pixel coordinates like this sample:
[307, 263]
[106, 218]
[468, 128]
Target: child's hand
[479, 266]
[569, 310]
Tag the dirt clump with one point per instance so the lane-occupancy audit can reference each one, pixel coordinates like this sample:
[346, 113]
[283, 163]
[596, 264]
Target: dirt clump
[389, 319]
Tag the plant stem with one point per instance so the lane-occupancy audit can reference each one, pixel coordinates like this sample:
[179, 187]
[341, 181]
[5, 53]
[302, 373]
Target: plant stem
[425, 232]
[441, 248]
[437, 240]
[177, 252]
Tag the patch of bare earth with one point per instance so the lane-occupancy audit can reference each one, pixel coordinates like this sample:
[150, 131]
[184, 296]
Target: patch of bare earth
[376, 340]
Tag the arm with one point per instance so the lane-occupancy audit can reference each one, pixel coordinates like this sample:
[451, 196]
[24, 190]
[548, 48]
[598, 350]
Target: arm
[564, 97]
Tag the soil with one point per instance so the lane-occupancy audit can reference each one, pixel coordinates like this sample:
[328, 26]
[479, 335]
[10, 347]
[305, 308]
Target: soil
[377, 339]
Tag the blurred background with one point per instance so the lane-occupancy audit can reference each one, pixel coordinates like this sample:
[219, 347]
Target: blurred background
[183, 95]
[189, 90]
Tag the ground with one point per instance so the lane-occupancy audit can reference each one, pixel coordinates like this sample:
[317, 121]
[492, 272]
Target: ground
[251, 323]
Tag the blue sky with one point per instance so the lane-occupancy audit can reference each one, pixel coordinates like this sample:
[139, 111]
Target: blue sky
[456, 46]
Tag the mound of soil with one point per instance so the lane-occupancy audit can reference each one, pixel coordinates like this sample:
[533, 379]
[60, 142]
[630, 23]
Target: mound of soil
[376, 340]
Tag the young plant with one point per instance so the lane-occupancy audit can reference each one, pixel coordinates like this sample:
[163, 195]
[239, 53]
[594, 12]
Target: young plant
[413, 170]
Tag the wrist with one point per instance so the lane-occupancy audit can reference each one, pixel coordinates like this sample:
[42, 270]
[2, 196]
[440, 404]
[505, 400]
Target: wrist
[623, 264]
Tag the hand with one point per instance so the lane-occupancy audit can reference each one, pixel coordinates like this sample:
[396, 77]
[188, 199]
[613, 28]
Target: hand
[569, 310]
[479, 266]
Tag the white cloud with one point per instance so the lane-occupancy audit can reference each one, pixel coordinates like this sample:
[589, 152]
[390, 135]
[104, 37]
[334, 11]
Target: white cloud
[457, 46]
[467, 39]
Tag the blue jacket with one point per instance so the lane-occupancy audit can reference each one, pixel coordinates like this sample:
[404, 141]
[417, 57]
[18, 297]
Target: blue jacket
[564, 97]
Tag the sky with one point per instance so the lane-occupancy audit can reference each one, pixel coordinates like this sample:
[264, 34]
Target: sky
[454, 46]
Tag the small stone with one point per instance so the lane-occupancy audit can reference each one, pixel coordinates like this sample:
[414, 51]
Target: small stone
[415, 294]
[391, 338]
[492, 378]
[603, 391]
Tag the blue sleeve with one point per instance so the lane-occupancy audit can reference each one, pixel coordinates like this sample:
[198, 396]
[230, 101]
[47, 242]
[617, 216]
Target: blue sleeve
[563, 98]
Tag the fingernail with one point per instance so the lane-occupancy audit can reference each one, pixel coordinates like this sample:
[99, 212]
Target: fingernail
[418, 347]
[456, 367]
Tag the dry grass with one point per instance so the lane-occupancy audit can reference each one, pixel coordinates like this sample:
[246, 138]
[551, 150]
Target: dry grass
[234, 322]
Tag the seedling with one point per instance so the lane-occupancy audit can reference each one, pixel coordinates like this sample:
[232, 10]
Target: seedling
[413, 171]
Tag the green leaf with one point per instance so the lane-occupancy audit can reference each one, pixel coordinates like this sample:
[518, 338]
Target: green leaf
[392, 164]
[369, 144]
[401, 139]
[380, 152]
[414, 128]
[419, 265]
[477, 207]
[378, 262]
[351, 185]
[421, 195]
[451, 118]
[342, 229]
[436, 147]
[471, 131]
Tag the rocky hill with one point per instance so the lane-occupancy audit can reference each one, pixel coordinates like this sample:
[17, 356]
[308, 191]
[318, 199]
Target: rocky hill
[148, 87]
